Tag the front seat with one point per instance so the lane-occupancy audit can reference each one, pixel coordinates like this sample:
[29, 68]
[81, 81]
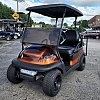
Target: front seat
[71, 42]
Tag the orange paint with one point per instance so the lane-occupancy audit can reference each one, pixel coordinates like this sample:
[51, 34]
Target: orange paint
[34, 54]
[40, 62]
[74, 61]
[34, 58]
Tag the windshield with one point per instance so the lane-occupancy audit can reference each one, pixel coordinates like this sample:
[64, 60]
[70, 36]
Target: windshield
[47, 36]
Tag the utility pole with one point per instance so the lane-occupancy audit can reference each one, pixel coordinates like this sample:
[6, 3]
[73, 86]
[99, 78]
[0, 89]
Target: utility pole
[17, 5]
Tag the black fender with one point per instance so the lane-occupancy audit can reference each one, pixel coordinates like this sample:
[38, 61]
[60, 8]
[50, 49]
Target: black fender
[39, 68]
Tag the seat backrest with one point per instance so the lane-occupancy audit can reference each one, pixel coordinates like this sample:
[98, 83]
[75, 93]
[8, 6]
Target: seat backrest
[72, 37]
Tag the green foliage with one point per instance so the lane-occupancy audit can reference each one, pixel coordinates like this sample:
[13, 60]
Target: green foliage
[81, 29]
[81, 25]
[48, 25]
[45, 25]
[6, 13]
[66, 25]
[85, 23]
[24, 17]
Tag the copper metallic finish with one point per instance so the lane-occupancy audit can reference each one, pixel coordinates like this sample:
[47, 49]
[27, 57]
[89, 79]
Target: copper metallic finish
[76, 57]
[38, 58]
[73, 62]
[34, 54]
[42, 62]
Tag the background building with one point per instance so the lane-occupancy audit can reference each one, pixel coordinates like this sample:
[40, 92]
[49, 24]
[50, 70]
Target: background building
[17, 25]
[94, 22]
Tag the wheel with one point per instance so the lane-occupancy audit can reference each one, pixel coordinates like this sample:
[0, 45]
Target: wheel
[8, 37]
[97, 37]
[52, 82]
[13, 75]
[15, 36]
[82, 63]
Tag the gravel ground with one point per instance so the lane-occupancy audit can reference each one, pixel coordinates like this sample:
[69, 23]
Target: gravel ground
[77, 85]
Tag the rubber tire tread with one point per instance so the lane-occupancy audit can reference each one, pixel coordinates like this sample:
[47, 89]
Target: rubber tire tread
[81, 68]
[11, 75]
[9, 39]
[49, 81]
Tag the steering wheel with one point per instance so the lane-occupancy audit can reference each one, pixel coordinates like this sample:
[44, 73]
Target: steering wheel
[45, 40]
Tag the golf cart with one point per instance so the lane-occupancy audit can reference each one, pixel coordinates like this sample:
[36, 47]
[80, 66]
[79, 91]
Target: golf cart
[49, 53]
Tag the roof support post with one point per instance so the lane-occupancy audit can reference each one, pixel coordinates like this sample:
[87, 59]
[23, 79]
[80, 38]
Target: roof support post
[17, 5]
[61, 26]
[25, 29]
[75, 21]
[60, 34]
[28, 18]
[56, 21]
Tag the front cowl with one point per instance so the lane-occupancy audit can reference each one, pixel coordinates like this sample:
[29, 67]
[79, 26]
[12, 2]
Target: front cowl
[39, 55]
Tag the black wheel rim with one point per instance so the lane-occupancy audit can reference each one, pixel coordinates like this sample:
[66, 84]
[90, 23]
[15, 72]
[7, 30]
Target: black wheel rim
[8, 38]
[57, 83]
[17, 74]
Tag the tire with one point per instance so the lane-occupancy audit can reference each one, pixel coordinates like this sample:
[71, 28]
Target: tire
[52, 82]
[8, 37]
[82, 63]
[13, 75]
[15, 36]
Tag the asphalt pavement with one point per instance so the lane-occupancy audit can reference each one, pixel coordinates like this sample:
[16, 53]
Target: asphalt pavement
[77, 85]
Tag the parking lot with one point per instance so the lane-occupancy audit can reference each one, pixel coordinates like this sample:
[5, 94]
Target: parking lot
[77, 85]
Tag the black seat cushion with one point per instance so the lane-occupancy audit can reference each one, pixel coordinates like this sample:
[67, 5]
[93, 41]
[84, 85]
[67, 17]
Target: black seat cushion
[72, 38]
[72, 35]
[66, 49]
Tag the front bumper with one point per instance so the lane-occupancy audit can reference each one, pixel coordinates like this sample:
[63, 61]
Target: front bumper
[27, 77]
[34, 67]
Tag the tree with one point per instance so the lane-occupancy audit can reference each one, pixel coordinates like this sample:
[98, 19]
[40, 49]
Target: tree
[66, 25]
[6, 13]
[81, 29]
[43, 24]
[24, 17]
[83, 24]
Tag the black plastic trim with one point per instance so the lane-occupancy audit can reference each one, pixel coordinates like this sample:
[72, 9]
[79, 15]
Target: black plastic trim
[39, 68]
[72, 68]
[27, 77]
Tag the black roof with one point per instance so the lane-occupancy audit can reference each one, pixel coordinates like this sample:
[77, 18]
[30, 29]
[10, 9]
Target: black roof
[12, 21]
[56, 10]
[7, 20]
[18, 13]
